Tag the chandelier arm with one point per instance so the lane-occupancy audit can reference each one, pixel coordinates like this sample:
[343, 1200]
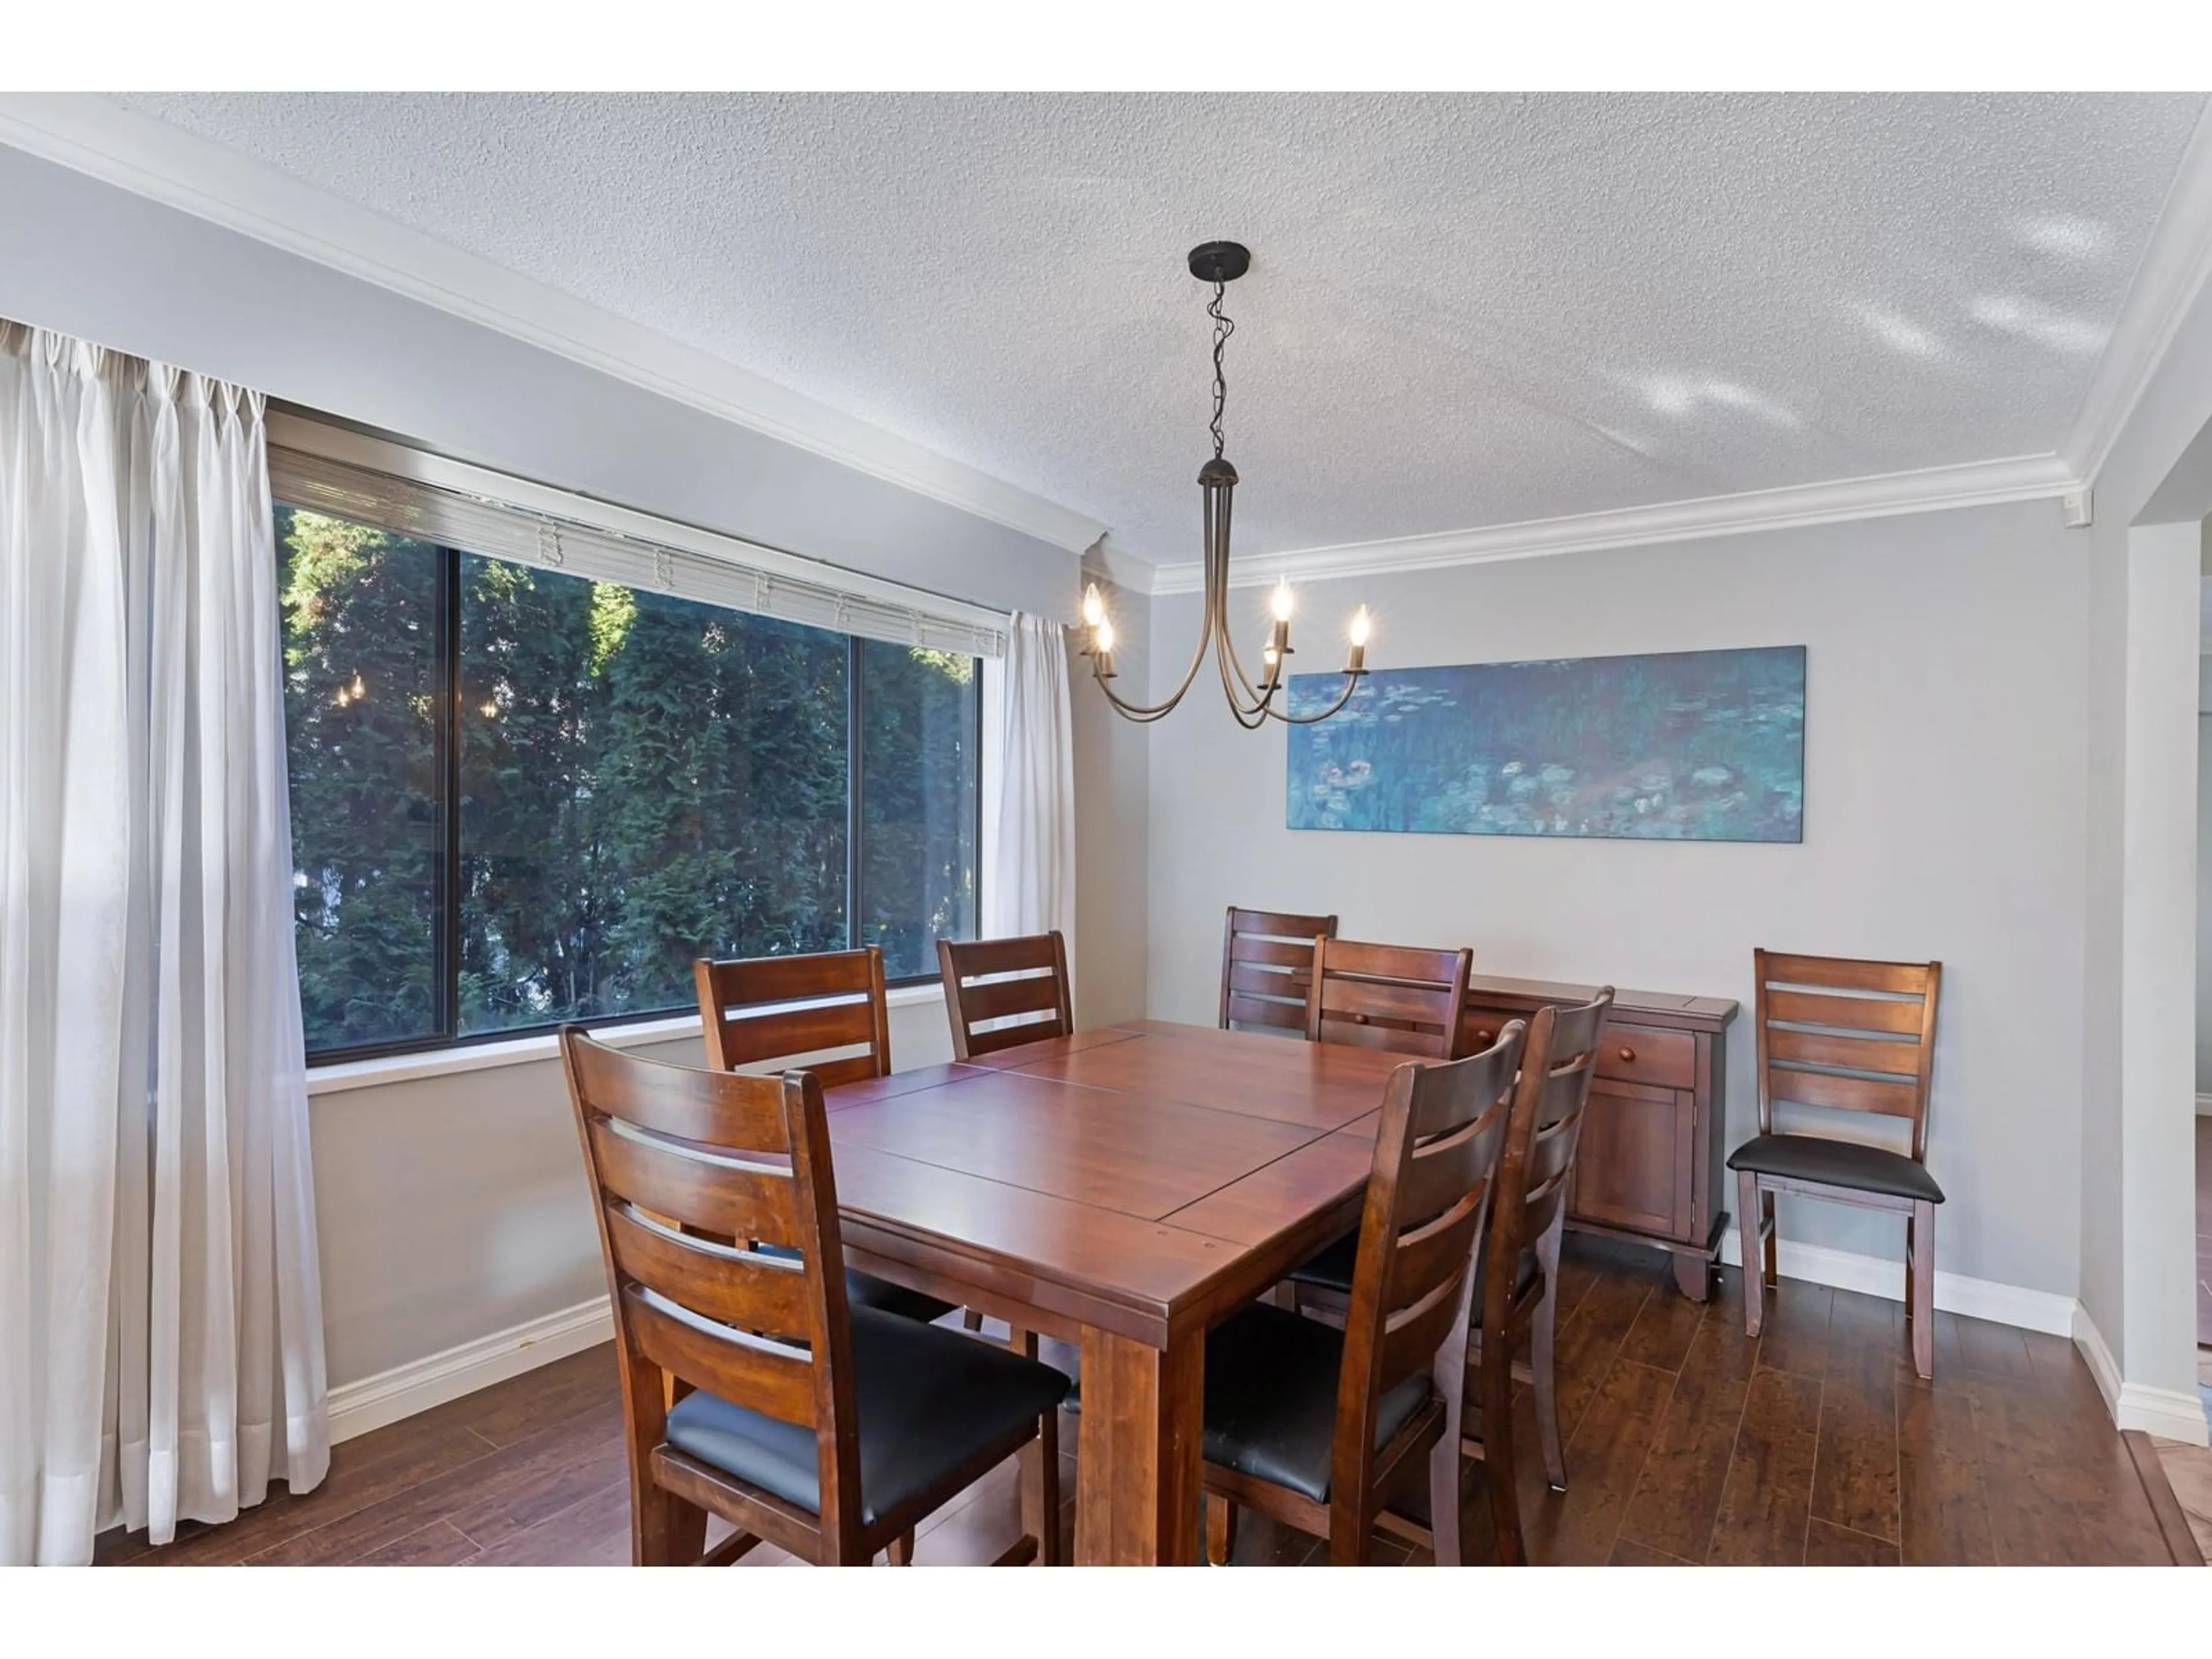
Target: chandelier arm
[1351, 684]
[1144, 713]
[1250, 710]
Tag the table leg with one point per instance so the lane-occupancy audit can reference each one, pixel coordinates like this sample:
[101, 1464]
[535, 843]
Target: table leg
[1137, 1458]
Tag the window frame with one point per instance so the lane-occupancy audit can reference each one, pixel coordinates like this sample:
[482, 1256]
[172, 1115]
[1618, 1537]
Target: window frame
[447, 941]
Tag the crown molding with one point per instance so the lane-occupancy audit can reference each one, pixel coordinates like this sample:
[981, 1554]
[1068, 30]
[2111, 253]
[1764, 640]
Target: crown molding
[92, 135]
[2176, 265]
[2034, 477]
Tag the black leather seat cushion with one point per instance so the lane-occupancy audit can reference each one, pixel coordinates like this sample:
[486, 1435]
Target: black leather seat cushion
[1332, 1270]
[1850, 1163]
[1271, 1398]
[928, 1401]
[866, 1291]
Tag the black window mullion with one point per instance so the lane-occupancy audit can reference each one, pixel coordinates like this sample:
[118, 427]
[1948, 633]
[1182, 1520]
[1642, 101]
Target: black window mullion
[449, 755]
[855, 711]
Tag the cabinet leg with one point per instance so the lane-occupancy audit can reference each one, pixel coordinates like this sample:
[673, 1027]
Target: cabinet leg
[1692, 1275]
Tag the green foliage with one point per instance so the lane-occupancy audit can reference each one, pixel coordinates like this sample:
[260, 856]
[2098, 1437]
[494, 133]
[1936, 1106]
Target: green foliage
[644, 780]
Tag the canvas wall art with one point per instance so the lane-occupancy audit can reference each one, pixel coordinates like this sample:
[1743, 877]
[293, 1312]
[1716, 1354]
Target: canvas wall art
[1686, 746]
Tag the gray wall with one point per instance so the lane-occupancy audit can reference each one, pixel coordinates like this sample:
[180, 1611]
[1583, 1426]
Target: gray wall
[452, 1207]
[1944, 818]
[2204, 876]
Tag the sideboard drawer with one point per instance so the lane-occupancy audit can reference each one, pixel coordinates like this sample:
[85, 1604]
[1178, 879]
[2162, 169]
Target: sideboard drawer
[1647, 1054]
[1481, 1026]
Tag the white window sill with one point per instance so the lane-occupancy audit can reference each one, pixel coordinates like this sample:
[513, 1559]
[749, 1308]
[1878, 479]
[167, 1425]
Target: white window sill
[524, 1051]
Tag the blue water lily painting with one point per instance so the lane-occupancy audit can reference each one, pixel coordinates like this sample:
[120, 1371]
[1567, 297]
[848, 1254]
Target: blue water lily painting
[1688, 745]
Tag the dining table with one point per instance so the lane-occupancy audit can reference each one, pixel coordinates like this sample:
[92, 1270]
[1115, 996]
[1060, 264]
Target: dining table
[1123, 1189]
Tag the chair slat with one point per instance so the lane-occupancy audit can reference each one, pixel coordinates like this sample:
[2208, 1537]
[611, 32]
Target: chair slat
[749, 1038]
[1848, 974]
[1272, 981]
[1412, 1335]
[1358, 998]
[1425, 1256]
[1898, 1014]
[1283, 924]
[755, 1203]
[1439, 1175]
[745, 1290]
[1858, 1054]
[1295, 954]
[1393, 961]
[748, 980]
[977, 957]
[1844, 1094]
[684, 1102]
[854, 1068]
[1003, 998]
[1254, 1011]
[780, 1384]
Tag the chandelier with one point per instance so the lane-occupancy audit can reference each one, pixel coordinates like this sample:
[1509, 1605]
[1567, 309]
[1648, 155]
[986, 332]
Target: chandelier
[1222, 263]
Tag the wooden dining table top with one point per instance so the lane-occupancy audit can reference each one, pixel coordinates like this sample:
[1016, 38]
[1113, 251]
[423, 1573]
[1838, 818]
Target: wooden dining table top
[1142, 1178]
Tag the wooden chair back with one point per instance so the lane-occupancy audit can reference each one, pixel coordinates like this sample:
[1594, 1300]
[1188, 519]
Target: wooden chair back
[1557, 1067]
[762, 1008]
[672, 1152]
[1021, 979]
[1441, 1133]
[1849, 1035]
[1267, 967]
[1388, 996]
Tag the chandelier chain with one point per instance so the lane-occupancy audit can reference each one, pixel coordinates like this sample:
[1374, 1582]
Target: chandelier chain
[1223, 328]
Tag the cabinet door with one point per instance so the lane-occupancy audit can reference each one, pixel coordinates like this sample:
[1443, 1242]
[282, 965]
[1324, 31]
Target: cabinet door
[1633, 1166]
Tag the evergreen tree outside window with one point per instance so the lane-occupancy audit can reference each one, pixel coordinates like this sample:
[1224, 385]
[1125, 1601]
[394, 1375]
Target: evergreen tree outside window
[521, 797]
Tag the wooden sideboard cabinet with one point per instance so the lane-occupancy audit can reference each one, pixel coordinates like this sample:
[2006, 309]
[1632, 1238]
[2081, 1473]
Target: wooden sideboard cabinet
[1650, 1166]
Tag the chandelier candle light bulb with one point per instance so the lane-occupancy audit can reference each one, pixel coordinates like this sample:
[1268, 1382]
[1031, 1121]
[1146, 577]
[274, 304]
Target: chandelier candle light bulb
[1220, 263]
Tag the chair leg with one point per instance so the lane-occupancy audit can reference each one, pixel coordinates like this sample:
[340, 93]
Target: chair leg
[1751, 1250]
[899, 1550]
[1543, 1331]
[1770, 1230]
[1920, 1311]
[970, 1320]
[1221, 1530]
[1496, 1367]
[1040, 1484]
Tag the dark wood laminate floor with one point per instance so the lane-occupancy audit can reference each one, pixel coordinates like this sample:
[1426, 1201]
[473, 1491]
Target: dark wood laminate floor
[1685, 1442]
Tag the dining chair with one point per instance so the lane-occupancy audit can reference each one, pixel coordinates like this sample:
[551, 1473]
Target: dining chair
[990, 981]
[1528, 1223]
[1267, 967]
[1849, 1036]
[1388, 996]
[1314, 1425]
[752, 1388]
[1526, 1226]
[760, 1011]
[1382, 996]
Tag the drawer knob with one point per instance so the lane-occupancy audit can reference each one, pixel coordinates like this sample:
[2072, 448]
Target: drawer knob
[1628, 1054]
[1486, 1034]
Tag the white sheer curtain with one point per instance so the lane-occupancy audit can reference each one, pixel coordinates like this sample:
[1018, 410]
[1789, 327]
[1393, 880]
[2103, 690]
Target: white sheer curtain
[160, 1316]
[1028, 786]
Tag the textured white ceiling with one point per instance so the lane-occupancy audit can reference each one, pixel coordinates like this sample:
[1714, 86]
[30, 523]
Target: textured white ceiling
[1463, 310]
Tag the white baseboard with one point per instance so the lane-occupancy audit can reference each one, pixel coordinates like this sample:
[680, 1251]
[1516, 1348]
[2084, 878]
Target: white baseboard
[1978, 1298]
[2205, 1105]
[374, 1401]
[2166, 1412]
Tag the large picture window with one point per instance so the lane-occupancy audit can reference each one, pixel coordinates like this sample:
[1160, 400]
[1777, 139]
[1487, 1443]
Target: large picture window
[521, 797]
